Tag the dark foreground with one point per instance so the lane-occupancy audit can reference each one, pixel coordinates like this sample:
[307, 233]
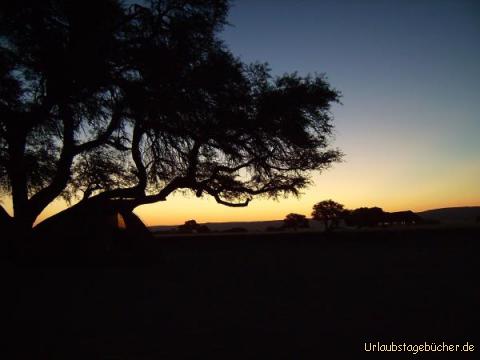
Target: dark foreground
[293, 296]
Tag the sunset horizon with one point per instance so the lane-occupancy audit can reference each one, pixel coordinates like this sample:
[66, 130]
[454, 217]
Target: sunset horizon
[182, 208]
[408, 123]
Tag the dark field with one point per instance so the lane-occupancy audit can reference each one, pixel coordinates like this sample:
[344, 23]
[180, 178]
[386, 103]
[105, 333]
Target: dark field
[294, 296]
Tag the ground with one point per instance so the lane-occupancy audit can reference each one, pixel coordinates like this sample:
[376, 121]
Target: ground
[289, 295]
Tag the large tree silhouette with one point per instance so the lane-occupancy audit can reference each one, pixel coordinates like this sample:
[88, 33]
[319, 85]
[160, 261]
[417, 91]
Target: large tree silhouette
[100, 101]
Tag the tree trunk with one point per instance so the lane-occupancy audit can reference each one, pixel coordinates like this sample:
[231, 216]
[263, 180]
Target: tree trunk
[22, 219]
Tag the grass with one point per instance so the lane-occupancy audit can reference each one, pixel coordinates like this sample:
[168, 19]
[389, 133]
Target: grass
[288, 295]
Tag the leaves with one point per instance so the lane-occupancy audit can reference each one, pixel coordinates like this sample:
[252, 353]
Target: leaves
[133, 102]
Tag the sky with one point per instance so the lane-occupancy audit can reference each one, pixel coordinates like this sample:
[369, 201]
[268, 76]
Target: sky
[409, 123]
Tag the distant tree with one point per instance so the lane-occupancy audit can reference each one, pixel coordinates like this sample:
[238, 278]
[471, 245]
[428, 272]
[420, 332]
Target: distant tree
[366, 217]
[346, 214]
[191, 226]
[188, 227]
[329, 212]
[126, 103]
[402, 218]
[295, 221]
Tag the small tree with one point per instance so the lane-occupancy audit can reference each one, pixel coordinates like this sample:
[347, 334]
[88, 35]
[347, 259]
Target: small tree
[188, 227]
[191, 226]
[329, 212]
[295, 221]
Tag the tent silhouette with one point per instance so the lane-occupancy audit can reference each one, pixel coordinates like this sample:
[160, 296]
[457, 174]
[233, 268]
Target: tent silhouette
[91, 228]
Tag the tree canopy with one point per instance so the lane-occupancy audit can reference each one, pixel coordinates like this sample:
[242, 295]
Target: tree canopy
[192, 226]
[329, 212]
[295, 221]
[365, 216]
[105, 100]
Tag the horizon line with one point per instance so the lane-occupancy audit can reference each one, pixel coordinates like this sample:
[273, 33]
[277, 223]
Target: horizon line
[271, 220]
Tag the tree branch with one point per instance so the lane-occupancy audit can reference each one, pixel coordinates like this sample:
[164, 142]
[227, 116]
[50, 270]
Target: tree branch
[230, 170]
[45, 196]
[104, 136]
[137, 159]
[176, 183]
[219, 200]
[137, 191]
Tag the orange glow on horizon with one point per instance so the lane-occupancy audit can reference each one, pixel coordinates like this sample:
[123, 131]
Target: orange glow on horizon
[356, 183]
[177, 209]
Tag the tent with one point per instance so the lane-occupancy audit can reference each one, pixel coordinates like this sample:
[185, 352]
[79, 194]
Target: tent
[91, 228]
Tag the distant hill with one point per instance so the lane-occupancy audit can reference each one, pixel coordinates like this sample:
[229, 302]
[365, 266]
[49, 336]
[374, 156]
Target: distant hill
[453, 214]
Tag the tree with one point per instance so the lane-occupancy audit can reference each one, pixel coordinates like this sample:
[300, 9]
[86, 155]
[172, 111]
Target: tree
[366, 217]
[295, 221]
[329, 212]
[127, 103]
[191, 226]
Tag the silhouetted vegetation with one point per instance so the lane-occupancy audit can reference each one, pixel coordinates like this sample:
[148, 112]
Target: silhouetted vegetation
[375, 216]
[402, 218]
[295, 221]
[191, 226]
[329, 212]
[128, 103]
[364, 216]
[332, 213]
